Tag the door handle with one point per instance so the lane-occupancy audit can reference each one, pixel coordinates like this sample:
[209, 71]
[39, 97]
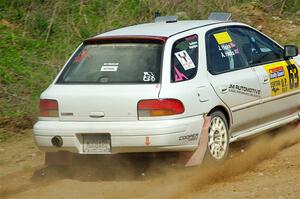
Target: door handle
[224, 89]
[96, 114]
[266, 80]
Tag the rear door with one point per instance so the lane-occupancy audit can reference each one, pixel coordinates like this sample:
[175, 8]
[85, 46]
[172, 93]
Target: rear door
[234, 81]
[105, 79]
[180, 79]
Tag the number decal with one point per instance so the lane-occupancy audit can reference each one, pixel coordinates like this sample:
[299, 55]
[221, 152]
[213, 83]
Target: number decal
[284, 77]
[293, 76]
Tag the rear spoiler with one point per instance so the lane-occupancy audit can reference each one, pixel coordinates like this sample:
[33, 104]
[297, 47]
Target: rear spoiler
[126, 39]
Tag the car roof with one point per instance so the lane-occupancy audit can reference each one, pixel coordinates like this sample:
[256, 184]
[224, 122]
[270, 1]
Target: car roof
[161, 29]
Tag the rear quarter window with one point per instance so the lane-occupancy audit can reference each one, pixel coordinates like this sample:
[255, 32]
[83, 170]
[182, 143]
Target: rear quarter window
[184, 60]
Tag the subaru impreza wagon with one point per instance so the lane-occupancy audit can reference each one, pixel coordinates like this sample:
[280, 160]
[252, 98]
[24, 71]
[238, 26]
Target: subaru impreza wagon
[148, 87]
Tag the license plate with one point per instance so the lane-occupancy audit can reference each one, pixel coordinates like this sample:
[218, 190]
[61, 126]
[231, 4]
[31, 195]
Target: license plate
[96, 143]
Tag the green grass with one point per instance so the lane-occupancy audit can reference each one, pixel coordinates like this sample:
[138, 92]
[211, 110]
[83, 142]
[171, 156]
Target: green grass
[11, 136]
[22, 70]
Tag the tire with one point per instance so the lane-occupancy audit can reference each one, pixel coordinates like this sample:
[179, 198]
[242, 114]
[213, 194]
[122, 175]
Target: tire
[218, 139]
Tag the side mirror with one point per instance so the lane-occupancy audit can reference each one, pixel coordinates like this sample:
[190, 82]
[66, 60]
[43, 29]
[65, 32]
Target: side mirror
[290, 51]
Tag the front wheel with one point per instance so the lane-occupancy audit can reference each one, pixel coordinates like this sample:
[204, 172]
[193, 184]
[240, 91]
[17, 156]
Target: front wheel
[218, 138]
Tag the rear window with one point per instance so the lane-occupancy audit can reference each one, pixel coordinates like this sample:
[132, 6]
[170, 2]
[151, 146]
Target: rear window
[114, 63]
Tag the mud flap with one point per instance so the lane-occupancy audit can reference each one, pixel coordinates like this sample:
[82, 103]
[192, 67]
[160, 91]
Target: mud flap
[196, 157]
[62, 158]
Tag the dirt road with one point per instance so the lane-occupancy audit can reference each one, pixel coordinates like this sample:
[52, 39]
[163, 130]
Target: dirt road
[264, 167]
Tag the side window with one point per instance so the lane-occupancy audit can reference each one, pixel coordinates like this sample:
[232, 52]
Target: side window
[184, 59]
[257, 48]
[223, 53]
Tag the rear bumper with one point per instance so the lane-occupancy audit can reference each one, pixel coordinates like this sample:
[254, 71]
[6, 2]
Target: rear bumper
[139, 136]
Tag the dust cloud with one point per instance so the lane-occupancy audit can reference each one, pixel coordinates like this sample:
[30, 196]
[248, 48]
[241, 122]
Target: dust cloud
[137, 176]
[177, 184]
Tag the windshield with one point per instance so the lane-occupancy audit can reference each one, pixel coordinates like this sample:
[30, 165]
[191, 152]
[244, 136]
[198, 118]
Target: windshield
[114, 63]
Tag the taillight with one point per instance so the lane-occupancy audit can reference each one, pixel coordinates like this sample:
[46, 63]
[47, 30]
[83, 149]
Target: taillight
[160, 107]
[48, 108]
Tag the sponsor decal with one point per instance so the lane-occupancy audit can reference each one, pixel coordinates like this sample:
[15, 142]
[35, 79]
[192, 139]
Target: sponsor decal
[276, 72]
[189, 138]
[79, 58]
[178, 75]
[185, 60]
[148, 77]
[284, 77]
[193, 44]
[244, 90]
[111, 67]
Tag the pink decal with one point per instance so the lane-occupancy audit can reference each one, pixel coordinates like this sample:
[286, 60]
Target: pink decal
[232, 44]
[179, 76]
[191, 38]
[147, 140]
[81, 57]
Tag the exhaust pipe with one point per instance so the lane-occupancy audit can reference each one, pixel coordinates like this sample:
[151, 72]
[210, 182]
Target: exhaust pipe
[57, 141]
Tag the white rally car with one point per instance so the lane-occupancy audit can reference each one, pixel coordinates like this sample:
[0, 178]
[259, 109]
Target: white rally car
[148, 87]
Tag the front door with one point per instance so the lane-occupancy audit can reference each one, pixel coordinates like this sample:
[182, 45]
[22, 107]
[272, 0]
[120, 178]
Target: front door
[278, 79]
[234, 81]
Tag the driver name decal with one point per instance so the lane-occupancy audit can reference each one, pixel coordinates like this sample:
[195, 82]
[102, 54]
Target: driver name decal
[226, 46]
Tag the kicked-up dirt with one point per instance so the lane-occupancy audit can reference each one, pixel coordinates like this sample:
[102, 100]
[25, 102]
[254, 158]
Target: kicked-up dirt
[267, 166]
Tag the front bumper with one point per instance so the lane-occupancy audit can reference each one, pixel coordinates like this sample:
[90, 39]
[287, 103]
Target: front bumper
[138, 136]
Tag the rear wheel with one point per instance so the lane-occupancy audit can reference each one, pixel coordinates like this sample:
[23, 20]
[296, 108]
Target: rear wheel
[218, 138]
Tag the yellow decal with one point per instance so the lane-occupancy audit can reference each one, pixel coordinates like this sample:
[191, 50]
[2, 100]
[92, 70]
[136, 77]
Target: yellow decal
[223, 38]
[284, 77]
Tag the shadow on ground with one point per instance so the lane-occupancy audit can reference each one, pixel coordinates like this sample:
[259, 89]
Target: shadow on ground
[140, 167]
[124, 167]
